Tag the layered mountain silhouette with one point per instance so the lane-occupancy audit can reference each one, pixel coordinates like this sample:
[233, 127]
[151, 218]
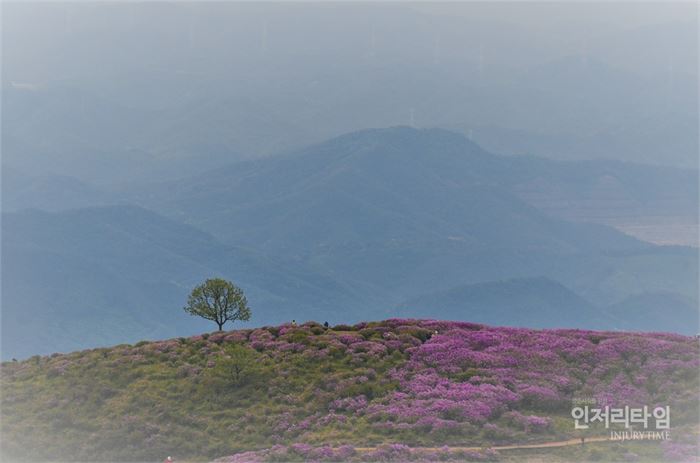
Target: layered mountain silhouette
[516, 302]
[344, 230]
[401, 212]
[216, 90]
[549, 304]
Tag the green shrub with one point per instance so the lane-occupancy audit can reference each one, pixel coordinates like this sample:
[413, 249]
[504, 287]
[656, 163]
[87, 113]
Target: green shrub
[343, 328]
[317, 330]
[369, 333]
[299, 336]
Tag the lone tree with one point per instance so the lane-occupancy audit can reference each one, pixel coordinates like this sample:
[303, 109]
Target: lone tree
[218, 300]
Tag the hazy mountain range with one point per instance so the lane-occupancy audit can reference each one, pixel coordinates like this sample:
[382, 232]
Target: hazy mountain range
[375, 223]
[153, 91]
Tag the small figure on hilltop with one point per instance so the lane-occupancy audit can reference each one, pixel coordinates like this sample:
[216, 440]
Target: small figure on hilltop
[218, 300]
[294, 323]
[326, 325]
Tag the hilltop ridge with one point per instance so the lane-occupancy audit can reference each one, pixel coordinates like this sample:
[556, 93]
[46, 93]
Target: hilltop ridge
[420, 383]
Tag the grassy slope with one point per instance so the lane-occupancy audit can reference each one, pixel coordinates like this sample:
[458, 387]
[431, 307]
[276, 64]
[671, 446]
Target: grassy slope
[182, 396]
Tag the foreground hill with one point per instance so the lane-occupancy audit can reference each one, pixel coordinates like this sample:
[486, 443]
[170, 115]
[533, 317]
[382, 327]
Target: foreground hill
[310, 392]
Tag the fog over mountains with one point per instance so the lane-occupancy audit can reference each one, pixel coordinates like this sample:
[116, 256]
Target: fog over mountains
[382, 221]
[343, 162]
[112, 92]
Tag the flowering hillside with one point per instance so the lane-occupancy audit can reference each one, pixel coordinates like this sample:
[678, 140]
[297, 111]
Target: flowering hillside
[390, 390]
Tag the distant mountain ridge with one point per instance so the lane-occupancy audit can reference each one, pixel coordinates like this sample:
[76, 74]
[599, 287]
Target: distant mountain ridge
[163, 106]
[417, 209]
[406, 170]
[585, 186]
[546, 303]
[341, 230]
[517, 302]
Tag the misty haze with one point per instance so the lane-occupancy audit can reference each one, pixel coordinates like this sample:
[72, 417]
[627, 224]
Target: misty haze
[428, 202]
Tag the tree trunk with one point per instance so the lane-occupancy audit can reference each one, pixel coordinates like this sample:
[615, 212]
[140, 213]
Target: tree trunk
[220, 326]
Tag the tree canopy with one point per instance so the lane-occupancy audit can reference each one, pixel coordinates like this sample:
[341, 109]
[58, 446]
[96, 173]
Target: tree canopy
[218, 300]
